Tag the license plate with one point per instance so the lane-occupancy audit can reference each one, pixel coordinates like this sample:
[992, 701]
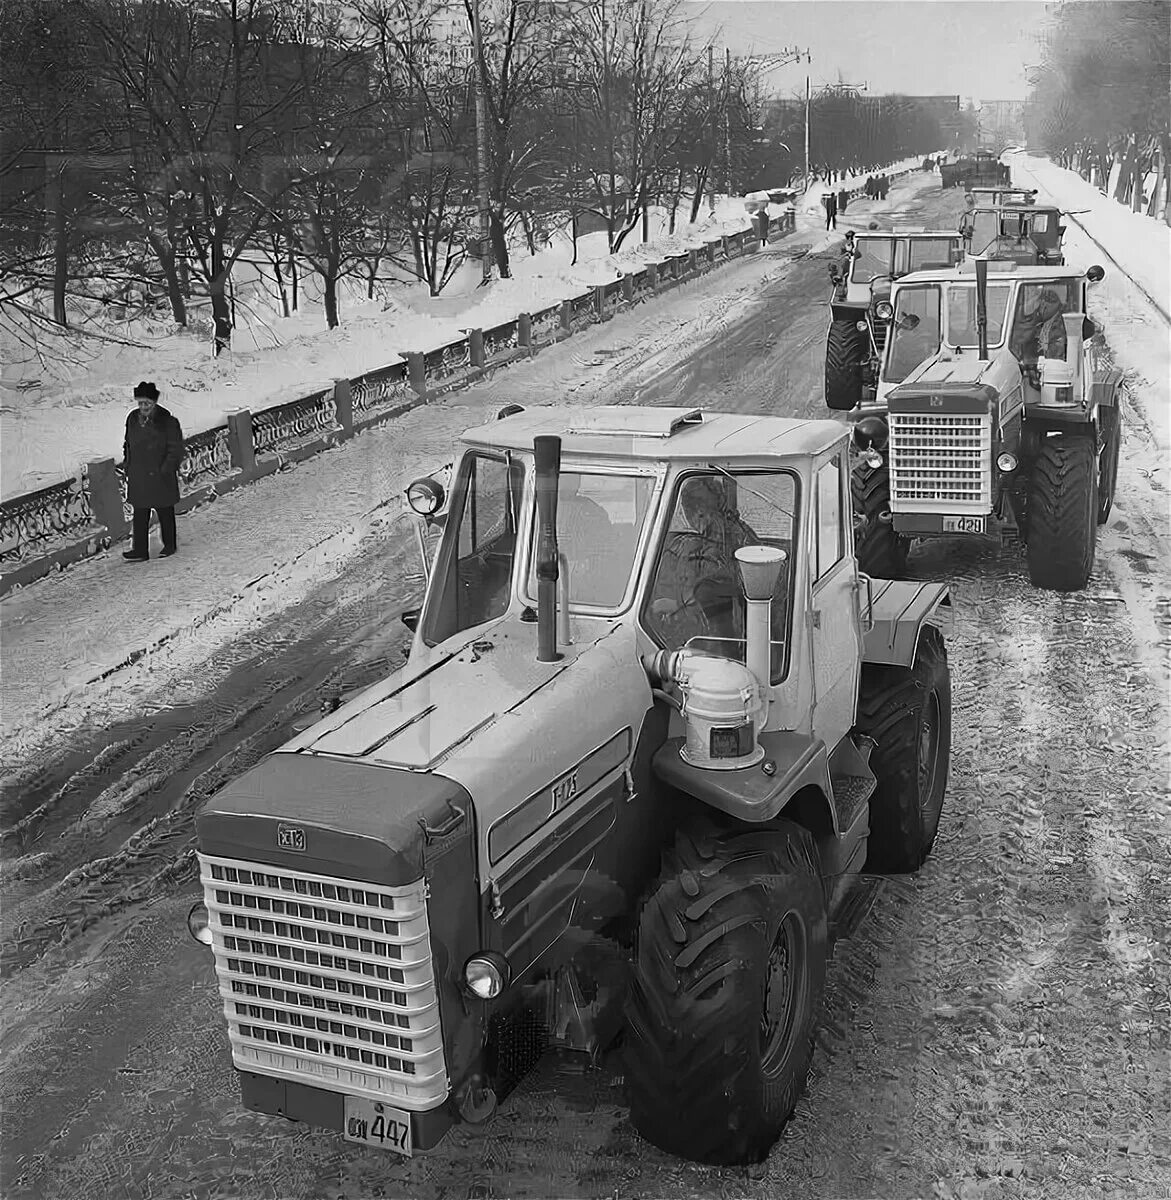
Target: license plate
[372, 1123]
[964, 524]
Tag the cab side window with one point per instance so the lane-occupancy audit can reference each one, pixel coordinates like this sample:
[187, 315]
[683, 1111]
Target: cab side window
[829, 544]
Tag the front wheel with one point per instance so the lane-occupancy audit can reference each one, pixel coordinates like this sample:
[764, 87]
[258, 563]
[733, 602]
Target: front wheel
[846, 350]
[879, 549]
[908, 715]
[1063, 513]
[728, 975]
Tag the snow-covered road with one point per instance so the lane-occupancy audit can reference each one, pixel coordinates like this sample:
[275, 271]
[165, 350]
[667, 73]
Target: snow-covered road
[995, 1026]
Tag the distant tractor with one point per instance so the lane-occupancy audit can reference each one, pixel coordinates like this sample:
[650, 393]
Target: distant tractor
[652, 725]
[1027, 234]
[861, 308]
[993, 416]
[983, 167]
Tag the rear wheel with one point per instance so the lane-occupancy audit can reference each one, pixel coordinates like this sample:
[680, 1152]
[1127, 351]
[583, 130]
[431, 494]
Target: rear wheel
[728, 975]
[1111, 420]
[1063, 513]
[880, 551]
[846, 349]
[908, 714]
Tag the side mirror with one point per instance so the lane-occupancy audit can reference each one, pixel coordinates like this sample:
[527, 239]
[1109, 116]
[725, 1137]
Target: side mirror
[1089, 329]
[1095, 274]
[411, 618]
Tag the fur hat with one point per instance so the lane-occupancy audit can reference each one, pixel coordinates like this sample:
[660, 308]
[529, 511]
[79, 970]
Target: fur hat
[147, 390]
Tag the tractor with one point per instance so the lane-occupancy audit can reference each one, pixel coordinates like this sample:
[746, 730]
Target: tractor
[1026, 234]
[993, 415]
[860, 304]
[652, 725]
[981, 168]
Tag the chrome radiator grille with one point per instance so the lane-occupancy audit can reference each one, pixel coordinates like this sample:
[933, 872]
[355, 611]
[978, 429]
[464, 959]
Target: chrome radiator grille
[327, 982]
[940, 462]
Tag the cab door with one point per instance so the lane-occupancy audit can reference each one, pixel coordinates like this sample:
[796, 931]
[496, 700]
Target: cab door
[835, 630]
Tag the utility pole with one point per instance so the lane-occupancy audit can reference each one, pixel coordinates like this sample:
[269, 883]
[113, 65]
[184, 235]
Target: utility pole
[481, 148]
[727, 122]
[711, 104]
[806, 187]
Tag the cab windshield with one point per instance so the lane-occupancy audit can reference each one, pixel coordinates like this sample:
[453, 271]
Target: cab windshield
[985, 230]
[600, 518]
[962, 328]
[926, 254]
[873, 258]
[914, 331]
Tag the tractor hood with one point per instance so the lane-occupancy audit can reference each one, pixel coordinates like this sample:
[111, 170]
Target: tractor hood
[952, 369]
[417, 721]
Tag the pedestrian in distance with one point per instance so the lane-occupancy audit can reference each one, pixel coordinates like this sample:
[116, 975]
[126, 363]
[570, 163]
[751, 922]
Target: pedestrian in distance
[151, 454]
[830, 201]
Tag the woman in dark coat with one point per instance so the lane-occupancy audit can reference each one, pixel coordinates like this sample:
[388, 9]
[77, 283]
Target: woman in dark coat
[151, 454]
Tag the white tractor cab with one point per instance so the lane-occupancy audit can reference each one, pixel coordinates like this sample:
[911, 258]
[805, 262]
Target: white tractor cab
[652, 723]
[993, 416]
[1028, 234]
[860, 304]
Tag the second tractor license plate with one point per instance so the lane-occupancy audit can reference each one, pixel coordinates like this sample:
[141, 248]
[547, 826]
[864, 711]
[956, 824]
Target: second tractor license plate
[964, 524]
[373, 1123]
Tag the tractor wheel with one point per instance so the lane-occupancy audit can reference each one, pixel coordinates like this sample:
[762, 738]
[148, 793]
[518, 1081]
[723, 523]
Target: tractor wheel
[880, 551]
[908, 714]
[1063, 513]
[728, 974]
[846, 348]
[1108, 461]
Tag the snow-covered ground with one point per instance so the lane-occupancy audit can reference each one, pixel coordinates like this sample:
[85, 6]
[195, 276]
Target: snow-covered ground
[67, 406]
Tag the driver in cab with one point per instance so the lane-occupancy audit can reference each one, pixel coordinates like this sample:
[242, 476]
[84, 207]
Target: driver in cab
[698, 584]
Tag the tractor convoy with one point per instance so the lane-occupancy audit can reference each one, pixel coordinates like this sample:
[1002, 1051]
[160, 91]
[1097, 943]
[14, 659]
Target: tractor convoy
[666, 699]
[985, 408]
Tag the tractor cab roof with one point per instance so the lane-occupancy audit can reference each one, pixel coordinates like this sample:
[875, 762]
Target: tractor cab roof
[651, 434]
[965, 272]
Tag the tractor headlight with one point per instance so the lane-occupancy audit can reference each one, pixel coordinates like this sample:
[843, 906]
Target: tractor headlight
[884, 310]
[861, 326]
[486, 975]
[199, 923]
[870, 432]
[872, 458]
[1006, 462]
[425, 496]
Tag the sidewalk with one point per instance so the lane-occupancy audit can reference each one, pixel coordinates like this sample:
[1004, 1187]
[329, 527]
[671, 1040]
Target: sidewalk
[258, 549]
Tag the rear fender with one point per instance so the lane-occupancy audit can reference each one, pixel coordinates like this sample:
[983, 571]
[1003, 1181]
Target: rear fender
[1104, 389]
[899, 613]
[847, 312]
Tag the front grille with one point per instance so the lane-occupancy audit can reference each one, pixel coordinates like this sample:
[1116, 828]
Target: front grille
[940, 462]
[327, 982]
[878, 329]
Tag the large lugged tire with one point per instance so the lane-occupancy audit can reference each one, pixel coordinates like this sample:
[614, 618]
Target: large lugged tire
[846, 348]
[728, 975]
[908, 714]
[1063, 513]
[880, 551]
[1111, 420]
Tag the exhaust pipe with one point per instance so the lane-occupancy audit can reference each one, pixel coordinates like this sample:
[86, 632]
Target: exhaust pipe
[547, 452]
[982, 306]
[760, 568]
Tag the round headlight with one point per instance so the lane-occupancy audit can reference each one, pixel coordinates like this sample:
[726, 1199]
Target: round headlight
[884, 310]
[1006, 462]
[486, 975]
[872, 458]
[199, 923]
[861, 326]
[425, 496]
[870, 431]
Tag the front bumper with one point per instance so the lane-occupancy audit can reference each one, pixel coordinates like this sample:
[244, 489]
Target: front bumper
[326, 1109]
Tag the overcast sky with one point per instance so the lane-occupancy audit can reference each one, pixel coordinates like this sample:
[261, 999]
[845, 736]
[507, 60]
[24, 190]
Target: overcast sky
[977, 48]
